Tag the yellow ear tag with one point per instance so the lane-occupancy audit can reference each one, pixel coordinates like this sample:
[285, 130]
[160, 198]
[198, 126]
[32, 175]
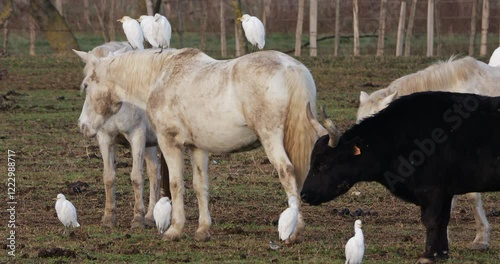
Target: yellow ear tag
[356, 150]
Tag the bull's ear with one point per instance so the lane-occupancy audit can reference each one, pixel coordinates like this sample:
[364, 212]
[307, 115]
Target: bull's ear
[356, 150]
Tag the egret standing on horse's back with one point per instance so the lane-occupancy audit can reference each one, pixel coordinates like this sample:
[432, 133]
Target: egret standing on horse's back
[133, 32]
[254, 30]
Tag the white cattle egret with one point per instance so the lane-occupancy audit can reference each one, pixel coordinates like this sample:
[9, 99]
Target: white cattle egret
[162, 214]
[254, 30]
[495, 58]
[355, 247]
[133, 32]
[149, 29]
[288, 220]
[66, 212]
[164, 31]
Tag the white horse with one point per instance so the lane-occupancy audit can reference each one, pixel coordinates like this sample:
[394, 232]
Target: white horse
[466, 75]
[129, 125]
[197, 103]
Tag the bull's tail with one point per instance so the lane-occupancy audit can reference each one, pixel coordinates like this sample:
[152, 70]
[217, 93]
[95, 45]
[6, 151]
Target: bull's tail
[300, 135]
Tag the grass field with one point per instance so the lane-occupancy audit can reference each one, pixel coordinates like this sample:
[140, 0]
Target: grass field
[39, 114]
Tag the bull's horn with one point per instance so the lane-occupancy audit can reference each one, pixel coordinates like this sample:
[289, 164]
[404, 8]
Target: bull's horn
[333, 132]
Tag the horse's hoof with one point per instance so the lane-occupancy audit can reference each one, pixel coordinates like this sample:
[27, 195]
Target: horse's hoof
[149, 222]
[170, 237]
[424, 261]
[202, 236]
[136, 224]
[480, 245]
[108, 221]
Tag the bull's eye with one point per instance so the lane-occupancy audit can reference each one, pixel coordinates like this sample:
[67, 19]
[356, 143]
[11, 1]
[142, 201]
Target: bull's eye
[322, 166]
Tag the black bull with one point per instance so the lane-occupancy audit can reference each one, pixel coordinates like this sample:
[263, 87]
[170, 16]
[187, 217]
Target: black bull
[424, 148]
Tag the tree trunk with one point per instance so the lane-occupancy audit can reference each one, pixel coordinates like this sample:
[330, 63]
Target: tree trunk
[437, 23]
[32, 35]
[300, 25]
[180, 28]
[484, 28]
[149, 7]
[381, 28]
[59, 7]
[6, 12]
[238, 29]
[112, 21]
[53, 26]
[86, 13]
[157, 6]
[223, 45]
[430, 27]
[355, 25]
[203, 26]
[411, 22]
[5, 36]
[313, 28]
[100, 12]
[473, 21]
[401, 29]
[337, 29]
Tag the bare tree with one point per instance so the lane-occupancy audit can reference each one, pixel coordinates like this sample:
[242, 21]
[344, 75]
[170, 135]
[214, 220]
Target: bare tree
[430, 27]
[86, 13]
[6, 12]
[313, 28]
[401, 29]
[59, 6]
[102, 17]
[203, 24]
[32, 35]
[484, 28]
[298, 31]
[238, 29]
[149, 7]
[381, 28]
[53, 26]
[411, 22]
[223, 45]
[472, 36]
[355, 25]
[437, 24]
[112, 20]
[337, 28]
[180, 28]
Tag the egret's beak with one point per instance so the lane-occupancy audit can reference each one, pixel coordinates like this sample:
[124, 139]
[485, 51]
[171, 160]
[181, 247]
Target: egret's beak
[239, 19]
[55, 199]
[120, 20]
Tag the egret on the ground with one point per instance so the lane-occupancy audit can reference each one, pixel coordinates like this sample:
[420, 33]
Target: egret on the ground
[254, 30]
[162, 213]
[355, 247]
[164, 31]
[149, 29]
[288, 220]
[66, 212]
[133, 32]
[495, 58]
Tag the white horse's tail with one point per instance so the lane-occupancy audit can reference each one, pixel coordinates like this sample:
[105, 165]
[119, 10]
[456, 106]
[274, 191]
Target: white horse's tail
[300, 135]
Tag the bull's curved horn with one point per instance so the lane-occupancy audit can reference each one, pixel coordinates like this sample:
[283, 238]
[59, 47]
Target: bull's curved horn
[333, 132]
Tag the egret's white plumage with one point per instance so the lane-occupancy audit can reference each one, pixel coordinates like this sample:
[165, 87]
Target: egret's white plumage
[164, 31]
[133, 32]
[288, 219]
[495, 58]
[66, 212]
[162, 214]
[149, 29]
[254, 30]
[355, 247]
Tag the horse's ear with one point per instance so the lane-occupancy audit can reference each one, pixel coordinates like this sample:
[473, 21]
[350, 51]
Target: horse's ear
[82, 54]
[389, 99]
[115, 106]
[363, 96]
